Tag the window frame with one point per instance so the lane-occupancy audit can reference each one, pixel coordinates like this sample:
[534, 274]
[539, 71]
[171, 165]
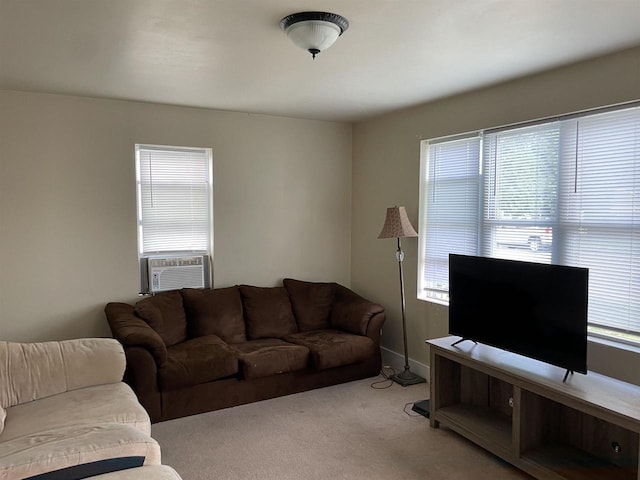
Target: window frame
[145, 255]
[556, 223]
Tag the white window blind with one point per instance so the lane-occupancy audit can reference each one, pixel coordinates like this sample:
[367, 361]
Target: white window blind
[450, 222]
[600, 214]
[174, 199]
[520, 168]
[565, 191]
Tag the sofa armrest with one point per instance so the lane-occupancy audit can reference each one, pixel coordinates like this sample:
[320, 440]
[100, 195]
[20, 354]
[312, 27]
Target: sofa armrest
[142, 376]
[353, 313]
[132, 331]
[30, 371]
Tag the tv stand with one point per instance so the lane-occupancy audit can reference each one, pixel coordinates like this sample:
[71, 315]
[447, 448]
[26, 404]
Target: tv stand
[520, 409]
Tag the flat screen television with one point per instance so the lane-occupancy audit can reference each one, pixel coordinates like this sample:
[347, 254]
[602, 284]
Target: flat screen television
[532, 309]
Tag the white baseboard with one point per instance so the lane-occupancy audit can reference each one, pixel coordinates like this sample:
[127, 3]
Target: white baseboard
[396, 361]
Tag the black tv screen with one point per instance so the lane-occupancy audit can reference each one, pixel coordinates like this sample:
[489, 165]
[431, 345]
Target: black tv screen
[532, 309]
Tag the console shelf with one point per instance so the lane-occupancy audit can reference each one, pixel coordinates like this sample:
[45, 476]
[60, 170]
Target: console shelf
[479, 425]
[521, 410]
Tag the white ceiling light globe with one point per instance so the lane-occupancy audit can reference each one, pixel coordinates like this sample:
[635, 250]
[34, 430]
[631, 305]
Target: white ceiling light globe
[314, 31]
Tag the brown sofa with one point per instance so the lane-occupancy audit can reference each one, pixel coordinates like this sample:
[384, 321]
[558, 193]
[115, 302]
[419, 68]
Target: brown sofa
[191, 351]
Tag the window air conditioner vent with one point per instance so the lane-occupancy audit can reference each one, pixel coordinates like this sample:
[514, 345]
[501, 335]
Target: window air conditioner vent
[173, 273]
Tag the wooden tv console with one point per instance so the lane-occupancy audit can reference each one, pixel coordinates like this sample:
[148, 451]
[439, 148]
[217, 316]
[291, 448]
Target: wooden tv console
[520, 410]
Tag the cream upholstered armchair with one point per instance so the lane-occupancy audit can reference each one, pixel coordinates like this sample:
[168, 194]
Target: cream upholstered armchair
[64, 410]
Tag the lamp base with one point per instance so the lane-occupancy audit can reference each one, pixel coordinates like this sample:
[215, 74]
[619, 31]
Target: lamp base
[407, 377]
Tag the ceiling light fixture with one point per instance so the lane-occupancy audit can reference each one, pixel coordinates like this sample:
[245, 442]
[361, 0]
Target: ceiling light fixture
[314, 31]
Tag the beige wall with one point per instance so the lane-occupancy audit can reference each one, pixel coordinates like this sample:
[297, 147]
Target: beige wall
[285, 202]
[282, 193]
[386, 164]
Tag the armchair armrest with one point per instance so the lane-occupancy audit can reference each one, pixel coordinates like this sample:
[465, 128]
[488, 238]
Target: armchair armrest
[29, 371]
[375, 326]
[132, 331]
[353, 313]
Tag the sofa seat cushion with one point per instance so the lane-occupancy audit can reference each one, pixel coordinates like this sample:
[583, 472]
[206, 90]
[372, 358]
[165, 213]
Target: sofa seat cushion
[197, 361]
[261, 358]
[267, 311]
[311, 303]
[215, 311]
[112, 403]
[333, 348]
[72, 446]
[147, 472]
[164, 313]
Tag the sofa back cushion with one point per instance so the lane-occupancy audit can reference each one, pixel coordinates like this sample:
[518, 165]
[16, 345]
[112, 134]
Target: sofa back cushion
[311, 303]
[267, 312]
[164, 313]
[31, 371]
[214, 312]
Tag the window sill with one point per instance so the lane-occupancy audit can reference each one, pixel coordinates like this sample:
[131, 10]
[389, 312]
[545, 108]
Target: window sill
[612, 343]
[444, 303]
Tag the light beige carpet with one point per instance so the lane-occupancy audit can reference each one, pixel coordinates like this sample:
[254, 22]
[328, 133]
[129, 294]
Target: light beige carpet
[349, 431]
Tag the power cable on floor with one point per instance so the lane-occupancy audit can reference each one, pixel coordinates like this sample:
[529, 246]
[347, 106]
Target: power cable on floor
[387, 378]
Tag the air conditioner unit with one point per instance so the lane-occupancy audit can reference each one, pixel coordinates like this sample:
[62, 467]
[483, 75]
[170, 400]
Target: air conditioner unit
[173, 273]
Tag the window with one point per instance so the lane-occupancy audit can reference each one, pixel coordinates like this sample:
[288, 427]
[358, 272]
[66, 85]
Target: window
[175, 227]
[563, 191]
[450, 187]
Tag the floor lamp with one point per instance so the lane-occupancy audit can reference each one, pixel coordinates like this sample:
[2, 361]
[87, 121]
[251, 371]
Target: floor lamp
[397, 225]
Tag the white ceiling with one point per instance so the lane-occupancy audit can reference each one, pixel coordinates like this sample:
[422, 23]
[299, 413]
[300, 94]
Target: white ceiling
[232, 54]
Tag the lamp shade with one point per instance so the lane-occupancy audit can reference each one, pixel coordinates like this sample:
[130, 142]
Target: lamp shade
[397, 224]
[314, 31]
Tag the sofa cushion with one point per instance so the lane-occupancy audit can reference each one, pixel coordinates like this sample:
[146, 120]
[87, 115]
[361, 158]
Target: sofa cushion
[214, 312]
[164, 313]
[66, 447]
[197, 361]
[30, 371]
[333, 348]
[267, 312]
[261, 358]
[114, 403]
[311, 303]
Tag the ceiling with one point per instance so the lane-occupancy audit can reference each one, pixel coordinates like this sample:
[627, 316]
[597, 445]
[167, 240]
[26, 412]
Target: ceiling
[232, 54]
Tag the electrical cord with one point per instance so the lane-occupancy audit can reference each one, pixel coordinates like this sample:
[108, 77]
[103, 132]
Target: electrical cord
[409, 412]
[387, 378]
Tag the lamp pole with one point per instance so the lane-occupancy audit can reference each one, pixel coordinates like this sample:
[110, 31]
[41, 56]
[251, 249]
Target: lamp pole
[400, 257]
[407, 377]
